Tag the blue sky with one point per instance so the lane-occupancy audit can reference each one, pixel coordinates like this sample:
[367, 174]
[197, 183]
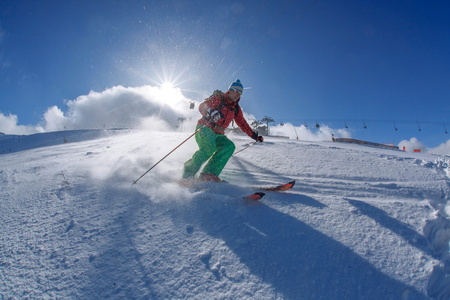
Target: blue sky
[335, 62]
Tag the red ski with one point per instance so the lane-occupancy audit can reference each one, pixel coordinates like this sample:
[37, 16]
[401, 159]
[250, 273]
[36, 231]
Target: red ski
[279, 188]
[255, 196]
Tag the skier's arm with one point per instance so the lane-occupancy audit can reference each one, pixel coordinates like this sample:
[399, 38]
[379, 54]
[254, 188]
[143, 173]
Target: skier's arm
[242, 123]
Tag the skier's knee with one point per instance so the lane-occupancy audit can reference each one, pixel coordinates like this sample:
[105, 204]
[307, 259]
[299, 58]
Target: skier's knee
[232, 147]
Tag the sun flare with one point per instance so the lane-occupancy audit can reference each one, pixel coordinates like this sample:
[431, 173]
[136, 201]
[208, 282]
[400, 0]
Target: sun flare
[167, 86]
[169, 94]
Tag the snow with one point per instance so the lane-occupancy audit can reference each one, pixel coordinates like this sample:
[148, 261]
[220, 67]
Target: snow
[361, 222]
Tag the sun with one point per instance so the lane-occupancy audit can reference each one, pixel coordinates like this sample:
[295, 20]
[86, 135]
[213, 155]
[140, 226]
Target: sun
[169, 94]
[167, 86]
[168, 90]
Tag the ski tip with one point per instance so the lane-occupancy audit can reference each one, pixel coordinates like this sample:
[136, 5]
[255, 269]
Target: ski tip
[280, 188]
[255, 196]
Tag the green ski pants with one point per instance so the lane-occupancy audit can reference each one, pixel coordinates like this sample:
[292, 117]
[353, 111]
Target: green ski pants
[216, 148]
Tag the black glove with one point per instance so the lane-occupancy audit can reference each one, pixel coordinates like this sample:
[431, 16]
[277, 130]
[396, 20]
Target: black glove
[257, 137]
[213, 115]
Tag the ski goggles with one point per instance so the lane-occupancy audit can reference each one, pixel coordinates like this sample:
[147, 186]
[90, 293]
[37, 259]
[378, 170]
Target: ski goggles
[236, 90]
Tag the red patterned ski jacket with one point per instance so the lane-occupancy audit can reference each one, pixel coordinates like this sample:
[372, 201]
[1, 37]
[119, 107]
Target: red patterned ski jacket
[230, 111]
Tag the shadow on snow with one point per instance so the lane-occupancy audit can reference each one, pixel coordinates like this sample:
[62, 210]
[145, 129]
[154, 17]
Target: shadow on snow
[298, 261]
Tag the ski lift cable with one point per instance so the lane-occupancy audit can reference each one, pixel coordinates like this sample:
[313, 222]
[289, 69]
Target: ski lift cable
[371, 121]
[365, 121]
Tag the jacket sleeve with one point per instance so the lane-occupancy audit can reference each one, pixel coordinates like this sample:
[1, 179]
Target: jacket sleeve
[242, 123]
[211, 102]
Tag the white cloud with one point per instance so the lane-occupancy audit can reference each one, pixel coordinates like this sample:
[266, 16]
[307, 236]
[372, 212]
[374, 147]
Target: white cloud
[411, 145]
[165, 108]
[324, 133]
[442, 149]
[415, 144]
[8, 125]
[117, 107]
[54, 119]
[121, 107]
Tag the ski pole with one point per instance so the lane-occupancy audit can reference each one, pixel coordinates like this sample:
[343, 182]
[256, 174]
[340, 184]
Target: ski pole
[134, 182]
[246, 147]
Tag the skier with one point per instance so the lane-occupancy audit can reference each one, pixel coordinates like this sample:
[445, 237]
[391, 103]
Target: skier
[217, 113]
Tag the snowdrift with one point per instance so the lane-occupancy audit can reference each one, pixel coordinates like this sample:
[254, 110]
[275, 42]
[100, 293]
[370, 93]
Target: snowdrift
[361, 222]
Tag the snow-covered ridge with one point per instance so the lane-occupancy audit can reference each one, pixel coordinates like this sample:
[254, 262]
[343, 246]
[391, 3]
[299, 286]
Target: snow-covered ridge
[13, 143]
[361, 222]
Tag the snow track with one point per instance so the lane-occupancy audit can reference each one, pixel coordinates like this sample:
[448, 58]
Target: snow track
[360, 223]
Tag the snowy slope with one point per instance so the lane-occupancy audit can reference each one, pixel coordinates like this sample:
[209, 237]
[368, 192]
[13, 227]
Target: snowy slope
[361, 222]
